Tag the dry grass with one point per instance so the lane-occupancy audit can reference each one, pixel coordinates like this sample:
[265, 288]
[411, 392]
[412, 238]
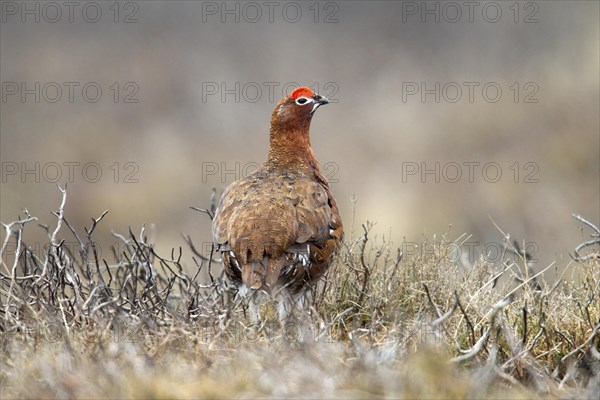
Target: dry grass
[379, 325]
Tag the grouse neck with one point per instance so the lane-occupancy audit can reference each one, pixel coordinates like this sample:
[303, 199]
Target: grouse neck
[291, 150]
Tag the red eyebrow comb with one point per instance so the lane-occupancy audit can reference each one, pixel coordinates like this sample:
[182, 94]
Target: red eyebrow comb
[301, 92]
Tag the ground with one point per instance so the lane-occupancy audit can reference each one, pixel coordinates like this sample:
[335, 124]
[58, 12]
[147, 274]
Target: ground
[380, 324]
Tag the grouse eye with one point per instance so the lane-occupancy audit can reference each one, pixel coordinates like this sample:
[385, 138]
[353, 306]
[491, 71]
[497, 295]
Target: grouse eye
[301, 100]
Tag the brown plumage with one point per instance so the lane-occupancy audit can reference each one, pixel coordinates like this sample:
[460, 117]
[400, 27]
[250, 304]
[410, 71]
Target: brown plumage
[278, 228]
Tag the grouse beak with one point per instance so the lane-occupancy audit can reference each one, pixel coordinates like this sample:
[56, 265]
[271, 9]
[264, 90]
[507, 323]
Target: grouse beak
[319, 101]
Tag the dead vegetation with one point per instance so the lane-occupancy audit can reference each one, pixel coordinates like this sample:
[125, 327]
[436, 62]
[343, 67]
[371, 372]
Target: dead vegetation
[380, 324]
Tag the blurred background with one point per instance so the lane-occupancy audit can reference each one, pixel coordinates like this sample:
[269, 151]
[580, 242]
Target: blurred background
[443, 115]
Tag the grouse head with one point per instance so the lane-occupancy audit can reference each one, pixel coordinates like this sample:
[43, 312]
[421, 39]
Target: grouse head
[294, 112]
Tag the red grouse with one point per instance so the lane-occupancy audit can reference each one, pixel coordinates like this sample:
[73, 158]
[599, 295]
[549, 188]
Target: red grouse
[278, 228]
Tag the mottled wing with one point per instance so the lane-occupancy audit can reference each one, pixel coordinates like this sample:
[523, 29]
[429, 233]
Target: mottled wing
[231, 198]
[312, 211]
[322, 251]
[255, 219]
